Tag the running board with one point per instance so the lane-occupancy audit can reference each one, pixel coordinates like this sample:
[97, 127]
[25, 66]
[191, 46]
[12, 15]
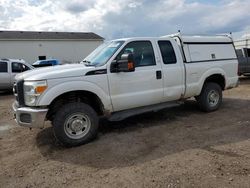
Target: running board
[121, 115]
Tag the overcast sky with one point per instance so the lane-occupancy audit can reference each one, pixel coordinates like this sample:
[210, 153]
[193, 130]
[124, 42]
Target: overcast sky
[126, 18]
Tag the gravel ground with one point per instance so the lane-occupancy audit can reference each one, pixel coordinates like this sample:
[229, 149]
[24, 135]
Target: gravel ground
[178, 147]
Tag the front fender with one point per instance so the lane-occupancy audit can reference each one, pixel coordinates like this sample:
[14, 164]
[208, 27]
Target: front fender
[59, 89]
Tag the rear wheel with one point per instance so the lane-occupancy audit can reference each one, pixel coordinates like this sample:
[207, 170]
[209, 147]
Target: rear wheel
[210, 98]
[75, 124]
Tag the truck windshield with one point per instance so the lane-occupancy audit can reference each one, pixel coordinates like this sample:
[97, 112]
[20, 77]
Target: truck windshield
[102, 54]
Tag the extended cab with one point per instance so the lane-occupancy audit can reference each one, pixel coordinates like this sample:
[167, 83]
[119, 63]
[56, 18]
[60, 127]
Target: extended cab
[125, 77]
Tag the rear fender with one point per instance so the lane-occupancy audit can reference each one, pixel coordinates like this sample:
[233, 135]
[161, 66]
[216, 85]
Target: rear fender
[209, 73]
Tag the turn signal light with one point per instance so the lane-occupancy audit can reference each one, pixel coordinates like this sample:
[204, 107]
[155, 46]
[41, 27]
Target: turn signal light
[40, 89]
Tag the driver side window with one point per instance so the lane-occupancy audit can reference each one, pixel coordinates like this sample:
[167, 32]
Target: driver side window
[19, 67]
[142, 51]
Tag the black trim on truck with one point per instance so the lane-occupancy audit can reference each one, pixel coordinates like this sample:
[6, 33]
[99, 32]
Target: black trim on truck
[20, 93]
[182, 48]
[96, 72]
[210, 60]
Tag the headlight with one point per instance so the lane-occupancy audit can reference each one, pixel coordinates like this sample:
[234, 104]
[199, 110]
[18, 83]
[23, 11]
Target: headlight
[32, 90]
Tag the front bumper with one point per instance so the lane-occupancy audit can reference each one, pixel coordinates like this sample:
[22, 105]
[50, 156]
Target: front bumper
[29, 117]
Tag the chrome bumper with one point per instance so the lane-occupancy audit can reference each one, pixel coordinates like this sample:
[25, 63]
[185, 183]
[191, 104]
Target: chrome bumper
[29, 117]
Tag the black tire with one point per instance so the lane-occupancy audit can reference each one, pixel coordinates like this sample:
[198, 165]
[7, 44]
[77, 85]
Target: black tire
[75, 113]
[204, 101]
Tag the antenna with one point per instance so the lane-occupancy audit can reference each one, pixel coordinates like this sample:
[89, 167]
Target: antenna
[231, 35]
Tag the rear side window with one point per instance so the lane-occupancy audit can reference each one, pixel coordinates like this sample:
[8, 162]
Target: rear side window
[142, 51]
[3, 67]
[167, 52]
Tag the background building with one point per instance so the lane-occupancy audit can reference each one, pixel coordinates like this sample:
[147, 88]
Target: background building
[68, 47]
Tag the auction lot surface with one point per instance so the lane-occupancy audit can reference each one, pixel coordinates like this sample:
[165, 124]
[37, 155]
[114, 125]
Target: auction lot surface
[178, 147]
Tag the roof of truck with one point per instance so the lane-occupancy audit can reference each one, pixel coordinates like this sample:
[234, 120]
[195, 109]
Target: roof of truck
[203, 39]
[12, 60]
[135, 38]
[187, 39]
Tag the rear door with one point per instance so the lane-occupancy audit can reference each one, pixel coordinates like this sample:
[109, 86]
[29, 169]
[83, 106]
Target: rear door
[4, 75]
[142, 87]
[172, 69]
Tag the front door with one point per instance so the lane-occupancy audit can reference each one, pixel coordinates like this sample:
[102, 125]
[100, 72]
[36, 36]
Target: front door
[142, 87]
[17, 68]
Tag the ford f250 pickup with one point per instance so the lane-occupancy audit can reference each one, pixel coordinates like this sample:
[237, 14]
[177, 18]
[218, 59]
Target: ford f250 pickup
[125, 77]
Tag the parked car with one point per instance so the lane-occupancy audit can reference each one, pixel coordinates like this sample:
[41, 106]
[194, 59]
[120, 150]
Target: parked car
[244, 61]
[8, 70]
[123, 78]
[45, 63]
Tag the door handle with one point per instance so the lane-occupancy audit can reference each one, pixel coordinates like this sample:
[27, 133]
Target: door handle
[158, 75]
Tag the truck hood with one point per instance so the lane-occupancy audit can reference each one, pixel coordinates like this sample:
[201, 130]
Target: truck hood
[54, 72]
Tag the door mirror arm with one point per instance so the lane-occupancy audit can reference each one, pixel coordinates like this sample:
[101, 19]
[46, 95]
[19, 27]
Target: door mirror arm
[114, 67]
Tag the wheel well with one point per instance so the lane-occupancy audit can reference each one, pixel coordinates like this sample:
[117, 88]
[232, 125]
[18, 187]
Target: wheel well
[76, 96]
[217, 78]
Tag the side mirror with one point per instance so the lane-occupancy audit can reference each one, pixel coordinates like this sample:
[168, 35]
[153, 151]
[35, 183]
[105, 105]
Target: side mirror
[125, 64]
[22, 68]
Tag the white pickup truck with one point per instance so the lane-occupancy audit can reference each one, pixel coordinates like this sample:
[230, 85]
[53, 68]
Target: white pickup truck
[125, 77]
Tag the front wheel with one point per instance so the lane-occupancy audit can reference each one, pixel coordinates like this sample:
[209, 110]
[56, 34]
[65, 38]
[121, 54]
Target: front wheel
[75, 124]
[210, 98]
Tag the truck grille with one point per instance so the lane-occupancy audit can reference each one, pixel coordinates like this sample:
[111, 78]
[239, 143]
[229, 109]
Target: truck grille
[18, 92]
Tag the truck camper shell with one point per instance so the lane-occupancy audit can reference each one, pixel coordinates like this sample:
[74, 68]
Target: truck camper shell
[205, 48]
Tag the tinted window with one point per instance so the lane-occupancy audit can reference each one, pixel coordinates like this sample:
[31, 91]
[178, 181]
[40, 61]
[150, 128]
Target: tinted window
[248, 52]
[239, 53]
[19, 67]
[142, 51]
[3, 67]
[167, 52]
